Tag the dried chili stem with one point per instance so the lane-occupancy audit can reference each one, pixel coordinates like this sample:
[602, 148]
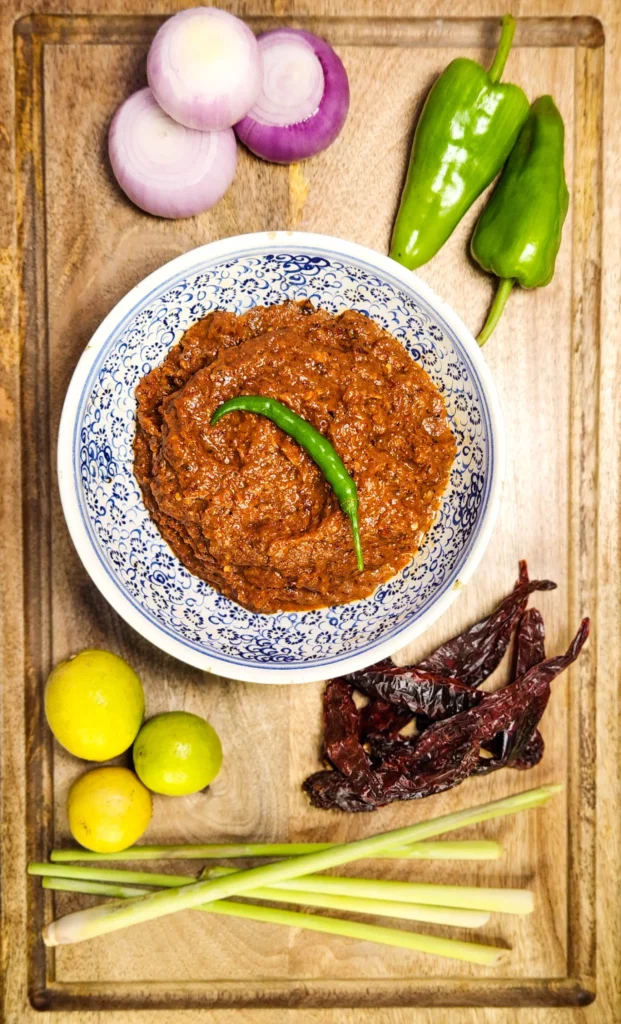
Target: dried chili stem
[455, 917]
[464, 849]
[87, 924]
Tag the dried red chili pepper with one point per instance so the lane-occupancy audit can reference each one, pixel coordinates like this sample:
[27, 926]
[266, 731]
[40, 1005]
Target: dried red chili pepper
[399, 778]
[470, 657]
[383, 747]
[378, 718]
[514, 748]
[425, 694]
[449, 751]
[473, 655]
[342, 739]
[530, 650]
[422, 692]
[531, 754]
[530, 643]
[516, 708]
[523, 577]
[332, 791]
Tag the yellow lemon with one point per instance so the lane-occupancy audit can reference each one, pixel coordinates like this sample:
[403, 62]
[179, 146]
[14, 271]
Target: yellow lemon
[94, 705]
[108, 809]
[177, 753]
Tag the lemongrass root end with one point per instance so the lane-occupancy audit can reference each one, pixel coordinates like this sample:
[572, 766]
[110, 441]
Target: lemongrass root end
[49, 935]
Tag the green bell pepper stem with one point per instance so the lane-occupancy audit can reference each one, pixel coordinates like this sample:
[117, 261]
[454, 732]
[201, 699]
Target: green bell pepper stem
[504, 46]
[500, 300]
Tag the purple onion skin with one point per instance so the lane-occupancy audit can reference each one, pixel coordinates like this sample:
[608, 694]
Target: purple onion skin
[286, 144]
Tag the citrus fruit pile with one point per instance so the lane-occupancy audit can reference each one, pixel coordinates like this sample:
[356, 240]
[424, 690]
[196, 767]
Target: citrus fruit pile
[94, 705]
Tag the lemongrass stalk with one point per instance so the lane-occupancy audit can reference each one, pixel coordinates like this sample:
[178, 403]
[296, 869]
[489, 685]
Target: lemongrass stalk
[454, 949]
[450, 916]
[447, 849]
[454, 917]
[360, 892]
[83, 885]
[110, 875]
[86, 924]
[464, 849]
[504, 901]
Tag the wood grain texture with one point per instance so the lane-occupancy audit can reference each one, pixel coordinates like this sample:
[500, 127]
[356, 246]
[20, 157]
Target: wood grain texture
[557, 365]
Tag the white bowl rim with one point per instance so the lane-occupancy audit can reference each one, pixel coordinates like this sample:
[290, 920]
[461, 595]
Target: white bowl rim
[114, 593]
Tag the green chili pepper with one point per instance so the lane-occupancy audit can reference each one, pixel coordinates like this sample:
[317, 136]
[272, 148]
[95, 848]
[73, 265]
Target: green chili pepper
[317, 446]
[519, 232]
[465, 133]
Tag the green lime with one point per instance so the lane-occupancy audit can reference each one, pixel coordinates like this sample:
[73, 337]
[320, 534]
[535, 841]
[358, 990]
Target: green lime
[177, 753]
[108, 809]
[94, 705]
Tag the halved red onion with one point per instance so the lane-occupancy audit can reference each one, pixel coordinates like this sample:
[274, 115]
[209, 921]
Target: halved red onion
[304, 98]
[204, 68]
[164, 167]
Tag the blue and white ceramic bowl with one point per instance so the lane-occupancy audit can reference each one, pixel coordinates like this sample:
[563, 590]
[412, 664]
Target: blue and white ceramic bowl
[120, 546]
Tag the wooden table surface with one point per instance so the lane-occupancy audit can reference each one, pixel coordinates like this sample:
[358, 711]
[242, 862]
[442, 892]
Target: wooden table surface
[605, 501]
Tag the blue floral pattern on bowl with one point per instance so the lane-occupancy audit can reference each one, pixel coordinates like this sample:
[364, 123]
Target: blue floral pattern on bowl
[127, 545]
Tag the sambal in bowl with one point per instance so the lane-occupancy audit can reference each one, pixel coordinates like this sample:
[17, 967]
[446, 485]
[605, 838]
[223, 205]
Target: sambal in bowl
[225, 544]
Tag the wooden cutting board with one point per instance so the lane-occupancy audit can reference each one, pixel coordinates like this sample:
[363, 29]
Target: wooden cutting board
[71, 246]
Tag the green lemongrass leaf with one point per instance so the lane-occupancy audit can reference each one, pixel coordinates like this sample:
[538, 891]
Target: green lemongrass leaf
[98, 880]
[454, 949]
[455, 917]
[88, 888]
[110, 875]
[503, 901]
[446, 849]
[85, 924]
